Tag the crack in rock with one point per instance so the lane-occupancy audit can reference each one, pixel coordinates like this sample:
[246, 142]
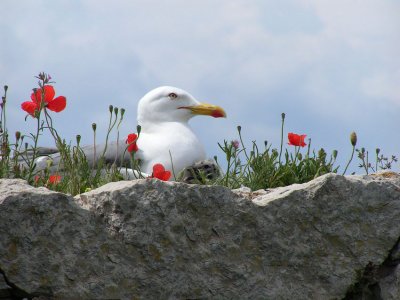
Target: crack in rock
[8, 290]
[369, 286]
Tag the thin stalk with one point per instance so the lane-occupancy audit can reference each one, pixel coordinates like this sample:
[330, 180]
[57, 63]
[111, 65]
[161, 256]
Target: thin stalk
[35, 143]
[280, 151]
[241, 140]
[351, 158]
[172, 164]
[110, 128]
[94, 148]
[366, 164]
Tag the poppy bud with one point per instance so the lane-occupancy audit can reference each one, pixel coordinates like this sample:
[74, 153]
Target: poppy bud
[334, 154]
[299, 156]
[122, 112]
[110, 108]
[5, 88]
[377, 151]
[283, 116]
[239, 128]
[138, 129]
[94, 126]
[353, 139]
[362, 150]
[265, 144]
[26, 146]
[78, 139]
[42, 76]
[215, 158]
[17, 135]
[116, 111]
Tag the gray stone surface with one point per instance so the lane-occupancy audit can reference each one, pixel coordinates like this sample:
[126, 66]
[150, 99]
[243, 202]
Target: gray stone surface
[148, 239]
[5, 289]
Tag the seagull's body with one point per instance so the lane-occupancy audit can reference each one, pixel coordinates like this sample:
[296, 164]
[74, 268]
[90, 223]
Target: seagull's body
[173, 144]
[165, 137]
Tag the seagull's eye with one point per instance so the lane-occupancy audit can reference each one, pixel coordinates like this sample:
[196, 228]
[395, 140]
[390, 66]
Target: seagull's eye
[173, 96]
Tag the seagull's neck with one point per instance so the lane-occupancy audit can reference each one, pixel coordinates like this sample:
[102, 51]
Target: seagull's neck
[150, 127]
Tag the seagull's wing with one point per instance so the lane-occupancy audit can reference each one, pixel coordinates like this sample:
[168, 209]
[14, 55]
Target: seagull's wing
[113, 153]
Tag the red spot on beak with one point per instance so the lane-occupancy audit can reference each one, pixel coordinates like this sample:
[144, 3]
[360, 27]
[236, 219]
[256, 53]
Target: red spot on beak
[217, 114]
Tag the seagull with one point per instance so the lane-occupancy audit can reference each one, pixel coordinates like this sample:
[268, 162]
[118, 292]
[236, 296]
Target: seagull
[165, 137]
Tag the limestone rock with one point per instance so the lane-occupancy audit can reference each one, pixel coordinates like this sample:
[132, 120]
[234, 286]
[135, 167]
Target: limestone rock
[332, 238]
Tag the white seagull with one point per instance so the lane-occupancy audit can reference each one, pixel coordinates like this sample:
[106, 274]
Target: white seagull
[165, 136]
[163, 115]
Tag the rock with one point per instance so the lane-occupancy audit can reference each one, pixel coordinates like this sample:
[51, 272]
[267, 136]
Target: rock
[5, 289]
[332, 238]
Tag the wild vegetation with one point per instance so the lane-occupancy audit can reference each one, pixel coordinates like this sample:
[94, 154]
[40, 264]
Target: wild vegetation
[251, 166]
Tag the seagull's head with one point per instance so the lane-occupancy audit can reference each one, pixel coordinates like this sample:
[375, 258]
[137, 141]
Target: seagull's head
[171, 104]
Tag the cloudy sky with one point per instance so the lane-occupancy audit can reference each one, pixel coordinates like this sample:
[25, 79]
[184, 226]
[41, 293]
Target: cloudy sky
[332, 66]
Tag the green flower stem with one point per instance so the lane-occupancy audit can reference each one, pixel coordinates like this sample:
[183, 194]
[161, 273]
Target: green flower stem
[111, 125]
[172, 164]
[366, 163]
[94, 147]
[282, 125]
[296, 153]
[351, 158]
[35, 144]
[241, 141]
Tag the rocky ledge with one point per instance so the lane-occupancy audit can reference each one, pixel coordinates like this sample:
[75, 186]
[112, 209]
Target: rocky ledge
[335, 237]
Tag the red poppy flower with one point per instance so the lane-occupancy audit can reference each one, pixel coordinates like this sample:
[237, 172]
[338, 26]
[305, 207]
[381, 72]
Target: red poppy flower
[160, 172]
[296, 139]
[131, 141]
[55, 104]
[54, 179]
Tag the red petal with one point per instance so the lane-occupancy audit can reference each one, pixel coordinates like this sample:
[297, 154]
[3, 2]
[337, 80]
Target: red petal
[166, 176]
[30, 107]
[54, 179]
[302, 137]
[160, 172]
[58, 104]
[36, 96]
[133, 147]
[158, 169]
[131, 140]
[296, 140]
[49, 94]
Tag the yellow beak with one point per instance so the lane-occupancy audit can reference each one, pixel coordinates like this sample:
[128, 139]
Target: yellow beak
[207, 110]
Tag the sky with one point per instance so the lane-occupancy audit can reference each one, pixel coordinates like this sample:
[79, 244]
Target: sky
[332, 67]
